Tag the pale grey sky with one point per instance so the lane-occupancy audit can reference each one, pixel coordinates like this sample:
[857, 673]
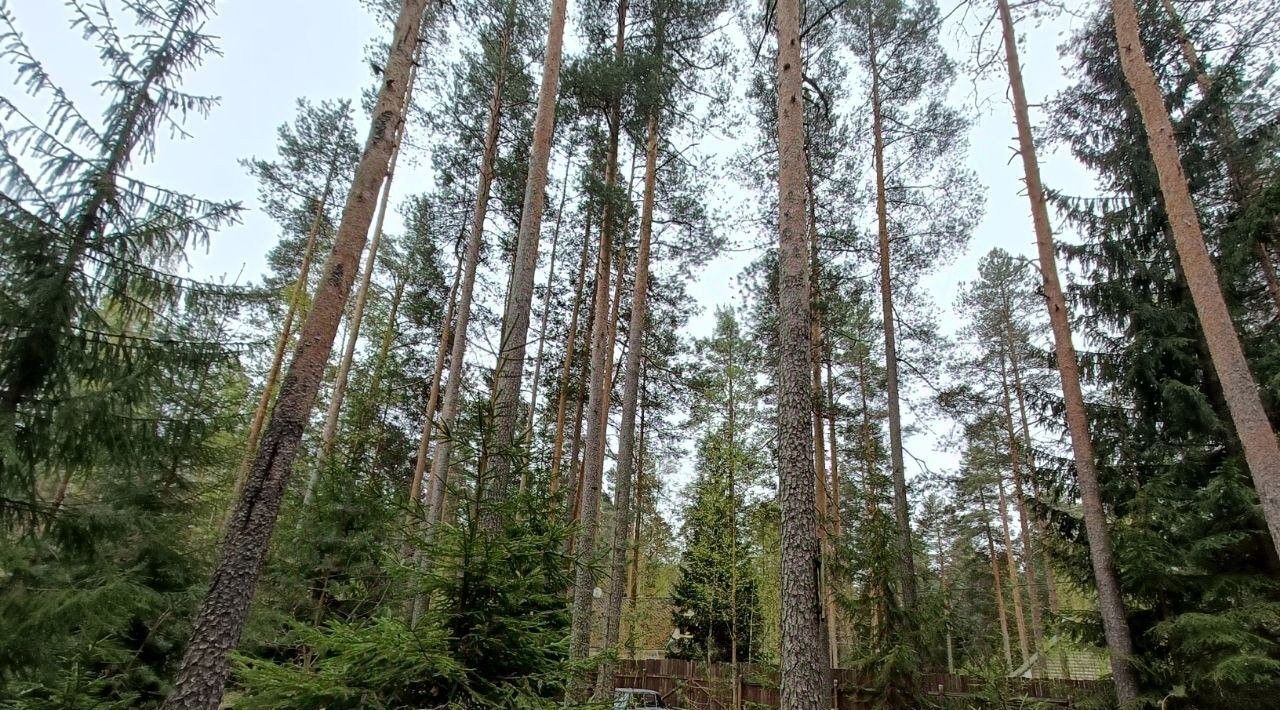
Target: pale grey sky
[276, 51]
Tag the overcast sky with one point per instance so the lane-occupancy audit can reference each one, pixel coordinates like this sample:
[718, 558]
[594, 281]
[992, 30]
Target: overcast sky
[276, 51]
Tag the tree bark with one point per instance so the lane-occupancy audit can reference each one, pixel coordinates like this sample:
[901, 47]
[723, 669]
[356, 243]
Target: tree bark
[330, 431]
[571, 339]
[286, 331]
[1029, 554]
[433, 396]
[509, 371]
[597, 407]
[1015, 587]
[222, 614]
[901, 507]
[546, 308]
[630, 402]
[475, 240]
[1261, 450]
[806, 671]
[1110, 601]
[997, 587]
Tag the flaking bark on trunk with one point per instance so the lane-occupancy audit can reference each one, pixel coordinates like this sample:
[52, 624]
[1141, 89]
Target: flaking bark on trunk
[806, 671]
[1110, 601]
[509, 370]
[1240, 389]
[630, 402]
[220, 620]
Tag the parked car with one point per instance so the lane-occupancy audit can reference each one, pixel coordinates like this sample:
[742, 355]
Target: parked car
[631, 698]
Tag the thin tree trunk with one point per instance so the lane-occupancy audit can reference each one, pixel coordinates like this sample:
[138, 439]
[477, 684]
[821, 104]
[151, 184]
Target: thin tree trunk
[630, 402]
[1042, 532]
[806, 671]
[546, 308]
[597, 408]
[633, 582]
[286, 330]
[1110, 601]
[1239, 387]
[1029, 555]
[222, 614]
[901, 507]
[946, 601]
[571, 339]
[1015, 586]
[471, 259]
[433, 396]
[997, 587]
[509, 371]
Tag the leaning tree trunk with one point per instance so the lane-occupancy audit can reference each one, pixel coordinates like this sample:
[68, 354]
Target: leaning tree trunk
[286, 331]
[433, 398]
[1110, 601]
[330, 432]
[597, 396]
[509, 371]
[630, 401]
[901, 507]
[1238, 385]
[1242, 180]
[222, 614]
[806, 671]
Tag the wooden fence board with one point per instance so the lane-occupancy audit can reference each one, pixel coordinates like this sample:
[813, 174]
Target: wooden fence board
[698, 686]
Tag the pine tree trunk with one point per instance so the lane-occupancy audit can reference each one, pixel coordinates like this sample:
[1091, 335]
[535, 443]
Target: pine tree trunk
[203, 673]
[1242, 180]
[1239, 387]
[440, 463]
[630, 402]
[997, 587]
[571, 339]
[330, 431]
[1110, 601]
[509, 371]
[433, 397]
[806, 671]
[546, 308]
[1015, 586]
[901, 507]
[597, 407]
[286, 330]
[1029, 558]
[1042, 531]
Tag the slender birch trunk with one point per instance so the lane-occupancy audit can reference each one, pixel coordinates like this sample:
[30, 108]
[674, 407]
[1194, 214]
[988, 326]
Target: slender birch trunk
[509, 371]
[1110, 600]
[597, 407]
[806, 671]
[630, 403]
[222, 614]
[1239, 387]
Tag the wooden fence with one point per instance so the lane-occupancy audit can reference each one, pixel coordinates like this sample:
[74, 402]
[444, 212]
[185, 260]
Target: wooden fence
[698, 686]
